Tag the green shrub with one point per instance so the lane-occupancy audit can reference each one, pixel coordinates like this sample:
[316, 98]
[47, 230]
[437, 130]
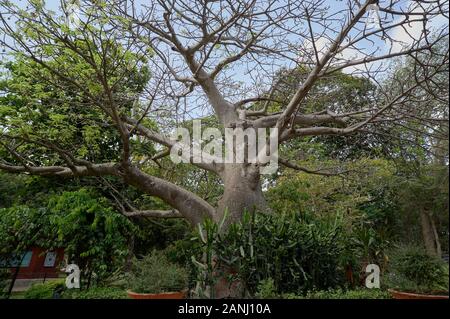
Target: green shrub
[96, 293]
[180, 252]
[298, 252]
[154, 273]
[266, 289]
[412, 269]
[4, 281]
[93, 234]
[117, 279]
[361, 293]
[46, 290]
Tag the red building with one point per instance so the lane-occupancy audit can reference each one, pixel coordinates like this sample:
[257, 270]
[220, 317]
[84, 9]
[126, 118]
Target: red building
[39, 263]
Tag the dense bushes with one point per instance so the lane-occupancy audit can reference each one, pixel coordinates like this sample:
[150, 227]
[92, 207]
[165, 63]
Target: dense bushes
[96, 293]
[412, 269]
[154, 273]
[46, 290]
[5, 275]
[267, 291]
[361, 293]
[92, 233]
[297, 252]
[56, 289]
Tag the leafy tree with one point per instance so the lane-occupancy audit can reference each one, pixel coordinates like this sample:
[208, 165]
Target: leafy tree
[423, 199]
[93, 234]
[94, 57]
[366, 196]
[22, 227]
[76, 104]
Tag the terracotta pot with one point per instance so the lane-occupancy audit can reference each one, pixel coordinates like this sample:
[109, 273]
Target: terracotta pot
[409, 295]
[162, 295]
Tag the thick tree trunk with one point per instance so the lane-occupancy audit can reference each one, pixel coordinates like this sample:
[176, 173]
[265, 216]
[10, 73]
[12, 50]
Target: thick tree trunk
[242, 192]
[430, 235]
[436, 238]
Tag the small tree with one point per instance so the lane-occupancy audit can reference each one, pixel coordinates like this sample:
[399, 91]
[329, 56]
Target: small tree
[93, 235]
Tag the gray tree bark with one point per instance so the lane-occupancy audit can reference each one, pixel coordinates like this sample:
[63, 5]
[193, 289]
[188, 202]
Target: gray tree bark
[242, 192]
[430, 235]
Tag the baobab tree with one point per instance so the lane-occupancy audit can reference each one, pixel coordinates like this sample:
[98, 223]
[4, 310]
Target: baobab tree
[203, 58]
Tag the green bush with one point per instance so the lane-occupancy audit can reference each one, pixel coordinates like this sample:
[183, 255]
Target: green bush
[96, 293]
[4, 281]
[298, 252]
[266, 289]
[93, 234]
[412, 269]
[361, 293]
[154, 273]
[46, 290]
[180, 252]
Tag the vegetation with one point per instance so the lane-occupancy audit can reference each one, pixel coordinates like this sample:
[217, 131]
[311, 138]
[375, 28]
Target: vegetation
[297, 251]
[362, 293]
[4, 281]
[93, 235]
[95, 293]
[155, 274]
[56, 289]
[266, 290]
[411, 269]
[87, 114]
[47, 290]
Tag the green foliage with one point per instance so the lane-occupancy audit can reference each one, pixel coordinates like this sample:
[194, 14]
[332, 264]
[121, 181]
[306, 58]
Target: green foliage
[21, 227]
[94, 235]
[56, 289]
[361, 293]
[154, 273]
[367, 181]
[5, 276]
[151, 234]
[338, 93]
[208, 269]
[46, 290]
[296, 251]
[96, 293]
[424, 188]
[266, 289]
[380, 203]
[11, 187]
[67, 110]
[411, 269]
[181, 252]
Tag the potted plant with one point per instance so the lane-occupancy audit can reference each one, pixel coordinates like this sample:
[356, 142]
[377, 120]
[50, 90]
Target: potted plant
[413, 274]
[155, 277]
